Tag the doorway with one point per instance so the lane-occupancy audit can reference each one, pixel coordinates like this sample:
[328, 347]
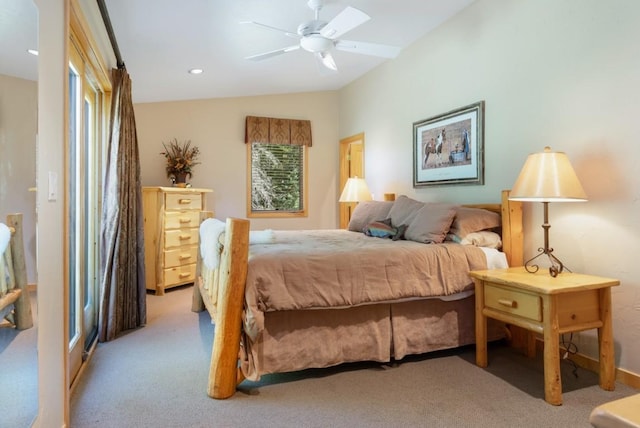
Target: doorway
[351, 165]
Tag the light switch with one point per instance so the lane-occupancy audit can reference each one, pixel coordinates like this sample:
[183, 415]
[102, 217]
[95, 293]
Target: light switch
[53, 186]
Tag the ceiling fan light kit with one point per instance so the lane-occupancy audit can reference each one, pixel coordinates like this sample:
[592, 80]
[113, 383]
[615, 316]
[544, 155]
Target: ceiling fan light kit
[315, 43]
[327, 61]
[320, 37]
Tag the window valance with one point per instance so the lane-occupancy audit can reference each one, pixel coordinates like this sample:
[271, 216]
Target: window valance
[271, 130]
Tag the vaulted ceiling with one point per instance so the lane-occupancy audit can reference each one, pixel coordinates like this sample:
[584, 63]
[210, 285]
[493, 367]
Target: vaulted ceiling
[160, 40]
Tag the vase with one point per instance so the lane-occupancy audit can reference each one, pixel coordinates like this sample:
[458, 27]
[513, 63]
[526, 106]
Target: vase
[181, 179]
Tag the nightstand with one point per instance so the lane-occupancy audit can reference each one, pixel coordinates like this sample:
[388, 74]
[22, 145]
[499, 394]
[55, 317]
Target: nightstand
[549, 306]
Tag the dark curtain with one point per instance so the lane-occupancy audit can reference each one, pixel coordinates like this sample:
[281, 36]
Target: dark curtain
[122, 287]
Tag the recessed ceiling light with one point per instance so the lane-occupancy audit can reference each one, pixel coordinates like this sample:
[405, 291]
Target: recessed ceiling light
[33, 51]
[196, 71]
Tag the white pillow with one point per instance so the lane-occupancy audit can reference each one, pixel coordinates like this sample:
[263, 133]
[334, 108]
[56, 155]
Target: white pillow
[483, 238]
[261, 237]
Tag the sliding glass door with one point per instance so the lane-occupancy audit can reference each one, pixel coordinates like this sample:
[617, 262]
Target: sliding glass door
[84, 196]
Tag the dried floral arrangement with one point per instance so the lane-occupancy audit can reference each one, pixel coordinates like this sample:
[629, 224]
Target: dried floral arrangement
[181, 157]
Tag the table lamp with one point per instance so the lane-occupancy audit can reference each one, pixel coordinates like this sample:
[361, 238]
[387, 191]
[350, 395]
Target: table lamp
[355, 190]
[547, 177]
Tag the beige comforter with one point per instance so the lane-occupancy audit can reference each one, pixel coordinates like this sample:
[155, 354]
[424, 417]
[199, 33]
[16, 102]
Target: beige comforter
[316, 269]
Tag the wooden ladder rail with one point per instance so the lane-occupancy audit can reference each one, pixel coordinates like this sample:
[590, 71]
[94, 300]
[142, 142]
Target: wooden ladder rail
[19, 296]
[197, 302]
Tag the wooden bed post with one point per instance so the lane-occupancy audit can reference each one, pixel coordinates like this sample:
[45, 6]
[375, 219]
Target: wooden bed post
[513, 247]
[23, 317]
[224, 372]
[197, 304]
[512, 235]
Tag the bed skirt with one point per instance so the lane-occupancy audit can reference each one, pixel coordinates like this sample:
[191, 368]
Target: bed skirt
[296, 340]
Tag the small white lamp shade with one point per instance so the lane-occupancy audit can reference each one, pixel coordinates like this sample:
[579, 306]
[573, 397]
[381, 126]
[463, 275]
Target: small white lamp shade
[547, 177]
[355, 190]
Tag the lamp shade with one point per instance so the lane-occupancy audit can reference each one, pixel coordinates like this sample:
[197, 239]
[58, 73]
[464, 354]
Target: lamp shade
[548, 177]
[355, 190]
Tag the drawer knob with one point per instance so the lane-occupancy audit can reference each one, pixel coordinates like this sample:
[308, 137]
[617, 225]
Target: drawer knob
[185, 237]
[185, 256]
[185, 220]
[184, 201]
[508, 303]
[183, 275]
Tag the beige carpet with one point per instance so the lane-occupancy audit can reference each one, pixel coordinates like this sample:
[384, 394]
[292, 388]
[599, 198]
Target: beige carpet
[19, 373]
[156, 377]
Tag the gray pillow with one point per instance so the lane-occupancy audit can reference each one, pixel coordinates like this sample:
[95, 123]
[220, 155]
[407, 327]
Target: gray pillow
[404, 209]
[469, 220]
[367, 212]
[431, 223]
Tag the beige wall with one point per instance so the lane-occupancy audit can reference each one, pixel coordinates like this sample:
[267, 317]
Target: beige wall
[216, 126]
[564, 74]
[18, 129]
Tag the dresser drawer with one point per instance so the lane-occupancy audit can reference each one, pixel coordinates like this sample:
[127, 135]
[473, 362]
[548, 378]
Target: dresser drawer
[512, 301]
[181, 219]
[180, 256]
[183, 201]
[179, 237]
[179, 275]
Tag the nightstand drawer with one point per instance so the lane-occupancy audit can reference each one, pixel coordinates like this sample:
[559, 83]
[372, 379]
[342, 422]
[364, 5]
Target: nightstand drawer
[180, 256]
[180, 274]
[181, 219]
[515, 302]
[183, 201]
[179, 237]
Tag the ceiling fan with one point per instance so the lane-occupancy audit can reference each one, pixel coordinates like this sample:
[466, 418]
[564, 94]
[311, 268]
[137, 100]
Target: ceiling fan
[320, 37]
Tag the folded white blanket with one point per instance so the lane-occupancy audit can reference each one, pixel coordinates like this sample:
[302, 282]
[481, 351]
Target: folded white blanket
[211, 247]
[5, 237]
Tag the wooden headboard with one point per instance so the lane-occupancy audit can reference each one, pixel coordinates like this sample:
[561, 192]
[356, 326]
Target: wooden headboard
[512, 235]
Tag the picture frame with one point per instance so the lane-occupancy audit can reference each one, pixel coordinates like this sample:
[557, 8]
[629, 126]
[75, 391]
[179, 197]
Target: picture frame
[449, 148]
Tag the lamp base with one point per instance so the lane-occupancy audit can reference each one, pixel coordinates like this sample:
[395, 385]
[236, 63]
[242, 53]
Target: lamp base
[556, 267]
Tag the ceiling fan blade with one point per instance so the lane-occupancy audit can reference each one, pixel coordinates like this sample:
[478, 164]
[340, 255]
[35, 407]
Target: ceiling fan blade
[374, 49]
[269, 27]
[345, 21]
[325, 62]
[270, 54]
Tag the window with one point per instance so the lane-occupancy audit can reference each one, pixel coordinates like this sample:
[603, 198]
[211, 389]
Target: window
[277, 180]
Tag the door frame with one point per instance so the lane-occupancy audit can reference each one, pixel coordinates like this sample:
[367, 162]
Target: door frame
[345, 168]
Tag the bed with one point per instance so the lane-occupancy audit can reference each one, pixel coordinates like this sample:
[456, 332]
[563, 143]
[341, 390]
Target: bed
[15, 308]
[359, 295]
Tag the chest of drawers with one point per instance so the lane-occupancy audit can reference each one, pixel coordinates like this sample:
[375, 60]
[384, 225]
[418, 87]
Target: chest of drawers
[171, 220]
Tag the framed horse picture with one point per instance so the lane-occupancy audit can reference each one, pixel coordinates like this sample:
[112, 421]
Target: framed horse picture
[449, 148]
